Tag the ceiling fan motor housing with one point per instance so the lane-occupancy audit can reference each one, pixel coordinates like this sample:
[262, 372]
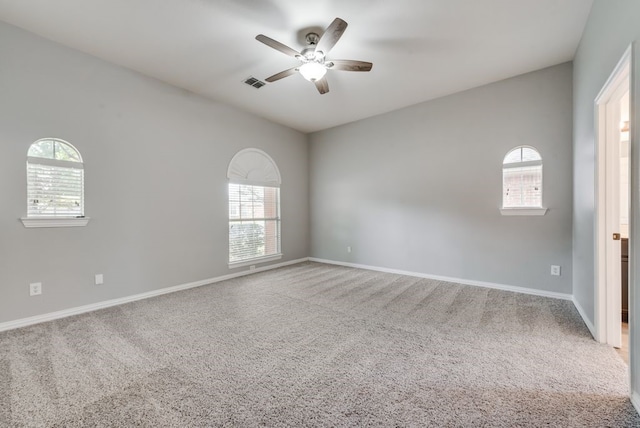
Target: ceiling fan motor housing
[309, 53]
[312, 38]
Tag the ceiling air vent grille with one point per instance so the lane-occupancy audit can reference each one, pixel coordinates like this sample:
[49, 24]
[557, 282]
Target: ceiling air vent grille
[252, 81]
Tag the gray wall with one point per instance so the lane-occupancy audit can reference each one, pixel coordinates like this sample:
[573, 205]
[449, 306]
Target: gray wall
[419, 189]
[155, 164]
[611, 28]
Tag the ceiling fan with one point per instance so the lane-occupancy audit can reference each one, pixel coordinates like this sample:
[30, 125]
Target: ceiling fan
[313, 58]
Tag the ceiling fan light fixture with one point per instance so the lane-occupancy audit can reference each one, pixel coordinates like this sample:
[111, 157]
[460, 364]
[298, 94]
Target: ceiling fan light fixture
[313, 71]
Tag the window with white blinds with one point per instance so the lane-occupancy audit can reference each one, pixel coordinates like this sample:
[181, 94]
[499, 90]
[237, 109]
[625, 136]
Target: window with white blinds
[254, 208]
[254, 222]
[522, 178]
[55, 180]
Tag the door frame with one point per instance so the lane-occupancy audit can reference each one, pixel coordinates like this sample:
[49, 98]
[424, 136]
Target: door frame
[608, 300]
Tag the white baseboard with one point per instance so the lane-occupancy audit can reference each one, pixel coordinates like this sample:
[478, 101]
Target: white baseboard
[586, 319]
[635, 400]
[23, 322]
[503, 287]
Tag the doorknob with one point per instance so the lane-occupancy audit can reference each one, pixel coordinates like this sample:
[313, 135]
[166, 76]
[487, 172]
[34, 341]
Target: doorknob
[616, 236]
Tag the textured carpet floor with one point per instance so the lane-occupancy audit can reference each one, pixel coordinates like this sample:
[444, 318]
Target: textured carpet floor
[316, 345]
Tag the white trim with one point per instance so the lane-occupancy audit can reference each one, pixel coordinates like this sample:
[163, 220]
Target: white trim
[260, 183]
[585, 319]
[55, 221]
[522, 164]
[634, 222]
[523, 211]
[250, 262]
[55, 162]
[616, 77]
[504, 287]
[600, 253]
[602, 317]
[240, 220]
[635, 400]
[23, 322]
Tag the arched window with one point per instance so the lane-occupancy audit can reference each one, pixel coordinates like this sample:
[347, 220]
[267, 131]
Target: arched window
[254, 208]
[522, 178]
[55, 180]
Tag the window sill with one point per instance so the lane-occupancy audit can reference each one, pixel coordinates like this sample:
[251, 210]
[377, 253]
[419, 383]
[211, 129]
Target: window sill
[54, 221]
[523, 211]
[255, 261]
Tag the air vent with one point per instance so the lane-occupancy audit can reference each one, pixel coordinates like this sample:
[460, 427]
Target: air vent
[252, 81]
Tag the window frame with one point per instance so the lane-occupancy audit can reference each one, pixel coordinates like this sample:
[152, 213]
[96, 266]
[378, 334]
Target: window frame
[276, 219]
[31, 221]
[524, 210]
[254, 167]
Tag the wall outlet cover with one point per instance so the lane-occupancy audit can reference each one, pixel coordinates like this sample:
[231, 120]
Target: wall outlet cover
[35, 288]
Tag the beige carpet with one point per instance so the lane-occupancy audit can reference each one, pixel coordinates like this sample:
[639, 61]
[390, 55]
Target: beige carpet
[316, 345]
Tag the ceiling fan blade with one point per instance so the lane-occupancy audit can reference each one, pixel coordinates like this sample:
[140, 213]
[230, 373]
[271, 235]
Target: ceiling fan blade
[277, 45]
[322, 85]
[282, 74]
[331, 36]
[349, 65]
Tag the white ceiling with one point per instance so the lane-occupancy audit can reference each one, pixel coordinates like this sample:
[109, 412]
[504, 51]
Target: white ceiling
[420, 49]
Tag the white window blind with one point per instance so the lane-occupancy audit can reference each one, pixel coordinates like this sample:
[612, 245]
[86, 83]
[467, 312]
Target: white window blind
[55, 180]
[522, 178]
[254, 222]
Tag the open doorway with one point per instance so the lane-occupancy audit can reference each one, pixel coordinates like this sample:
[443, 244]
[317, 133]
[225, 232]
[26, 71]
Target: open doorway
[613, 180]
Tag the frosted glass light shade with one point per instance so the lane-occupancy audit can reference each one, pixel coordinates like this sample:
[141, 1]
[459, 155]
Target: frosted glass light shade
[312, 71]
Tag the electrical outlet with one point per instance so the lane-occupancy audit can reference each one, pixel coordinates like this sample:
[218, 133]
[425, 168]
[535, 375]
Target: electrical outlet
[555, 270]
[99, 279]
[349, 249]
[35, 288]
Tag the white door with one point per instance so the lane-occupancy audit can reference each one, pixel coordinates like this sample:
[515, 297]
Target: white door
[613, 214]
[609, 269]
